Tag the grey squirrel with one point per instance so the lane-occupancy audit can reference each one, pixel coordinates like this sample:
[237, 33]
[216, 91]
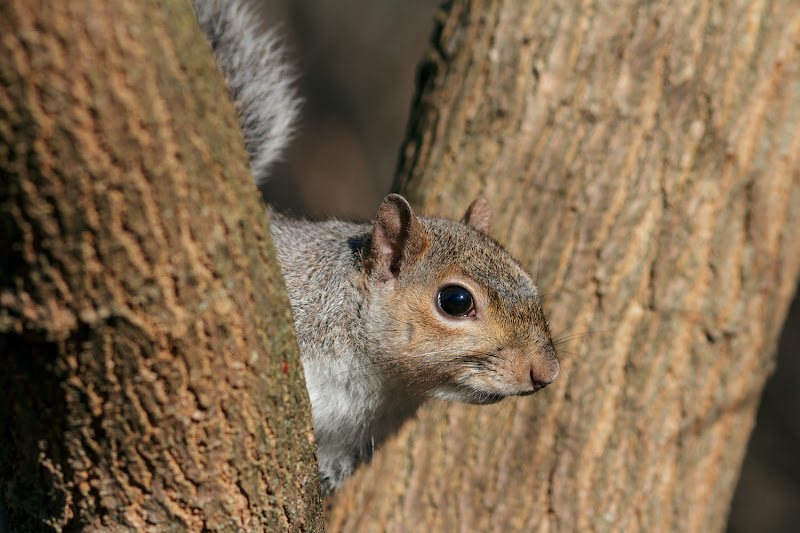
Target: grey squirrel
[388, 313]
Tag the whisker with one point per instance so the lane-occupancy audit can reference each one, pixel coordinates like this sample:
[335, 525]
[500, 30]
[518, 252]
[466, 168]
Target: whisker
[571, 326]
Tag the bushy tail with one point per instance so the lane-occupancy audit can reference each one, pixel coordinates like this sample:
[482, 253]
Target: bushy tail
[258, 77]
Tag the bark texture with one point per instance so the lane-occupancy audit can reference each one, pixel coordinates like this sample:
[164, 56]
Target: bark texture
[151, 379]
[644, 160]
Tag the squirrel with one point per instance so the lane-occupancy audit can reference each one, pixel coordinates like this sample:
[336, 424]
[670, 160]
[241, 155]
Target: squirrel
[387, 313]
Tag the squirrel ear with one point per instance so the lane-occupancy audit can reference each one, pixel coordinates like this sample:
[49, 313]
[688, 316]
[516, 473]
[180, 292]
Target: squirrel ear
[396, 236]
[479, 215]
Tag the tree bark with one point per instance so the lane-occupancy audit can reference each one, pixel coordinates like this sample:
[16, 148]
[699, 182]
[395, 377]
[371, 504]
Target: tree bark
[643, 158]
[151, 379]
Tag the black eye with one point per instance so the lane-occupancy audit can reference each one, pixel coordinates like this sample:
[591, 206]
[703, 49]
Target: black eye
[456, 301]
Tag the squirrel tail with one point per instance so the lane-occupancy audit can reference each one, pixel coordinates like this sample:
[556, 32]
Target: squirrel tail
[258, 76]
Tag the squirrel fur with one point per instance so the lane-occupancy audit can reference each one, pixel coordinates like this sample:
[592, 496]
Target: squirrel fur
[387, 313]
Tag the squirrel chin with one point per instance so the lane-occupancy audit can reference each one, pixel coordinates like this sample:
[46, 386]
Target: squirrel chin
[470, 396]
[476, 397]
[484, 399]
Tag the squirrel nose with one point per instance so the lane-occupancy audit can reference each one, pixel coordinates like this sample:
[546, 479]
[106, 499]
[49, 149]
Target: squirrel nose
[544, 375]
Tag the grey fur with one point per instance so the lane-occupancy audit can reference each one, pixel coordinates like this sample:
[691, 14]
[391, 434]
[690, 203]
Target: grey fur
[259, 78]
[322, 267]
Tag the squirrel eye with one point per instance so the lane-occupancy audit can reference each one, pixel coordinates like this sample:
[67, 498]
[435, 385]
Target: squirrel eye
[456, 301]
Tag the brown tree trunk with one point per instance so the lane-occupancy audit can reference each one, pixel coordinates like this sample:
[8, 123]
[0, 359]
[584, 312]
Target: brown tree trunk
[644, 160]
[150, 379]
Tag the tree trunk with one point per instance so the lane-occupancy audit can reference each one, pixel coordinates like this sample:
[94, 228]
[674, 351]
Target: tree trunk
[151, 379]
[643, 158]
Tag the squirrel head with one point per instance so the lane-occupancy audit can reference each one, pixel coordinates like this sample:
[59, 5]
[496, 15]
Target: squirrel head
[454, 315]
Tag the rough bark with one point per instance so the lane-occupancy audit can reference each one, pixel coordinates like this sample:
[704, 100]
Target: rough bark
[151, 379]
[643, 158]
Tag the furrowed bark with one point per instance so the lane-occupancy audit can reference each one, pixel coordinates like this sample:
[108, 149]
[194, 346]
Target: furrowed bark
[151, 377]
[643, 161]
